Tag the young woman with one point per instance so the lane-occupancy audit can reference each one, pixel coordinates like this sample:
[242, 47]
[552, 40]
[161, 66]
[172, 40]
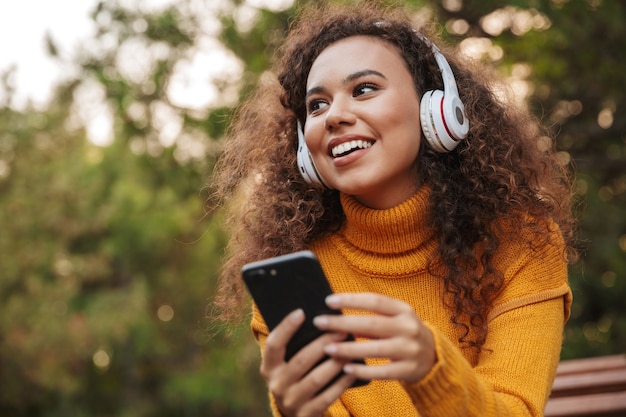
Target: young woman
[442, 223]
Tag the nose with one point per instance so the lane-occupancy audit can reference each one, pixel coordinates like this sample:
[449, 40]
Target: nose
[339, 114]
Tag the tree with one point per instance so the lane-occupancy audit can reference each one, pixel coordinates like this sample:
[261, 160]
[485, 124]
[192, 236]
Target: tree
[108, 254]
[568, 57]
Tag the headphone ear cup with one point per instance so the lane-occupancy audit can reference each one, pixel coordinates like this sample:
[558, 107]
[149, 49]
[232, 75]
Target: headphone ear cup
[303, 158]
[428, 113]
[455, 121]
[306, 166]
[443, 118]
[433, 121]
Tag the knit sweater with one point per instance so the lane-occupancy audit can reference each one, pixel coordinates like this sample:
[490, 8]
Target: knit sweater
[386, 251]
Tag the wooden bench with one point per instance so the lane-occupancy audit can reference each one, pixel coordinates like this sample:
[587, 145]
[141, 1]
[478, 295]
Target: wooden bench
[589, 387]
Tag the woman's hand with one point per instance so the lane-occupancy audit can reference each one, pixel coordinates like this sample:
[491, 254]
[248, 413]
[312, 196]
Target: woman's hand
[393, 332]
[295, 389]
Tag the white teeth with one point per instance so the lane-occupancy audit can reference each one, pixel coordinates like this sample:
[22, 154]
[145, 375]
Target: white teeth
[350, 146]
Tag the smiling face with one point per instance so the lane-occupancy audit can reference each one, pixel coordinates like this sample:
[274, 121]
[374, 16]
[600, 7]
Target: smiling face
[362, 126]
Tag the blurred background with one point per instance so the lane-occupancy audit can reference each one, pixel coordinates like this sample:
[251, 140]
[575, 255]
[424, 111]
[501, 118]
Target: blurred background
[108, 251]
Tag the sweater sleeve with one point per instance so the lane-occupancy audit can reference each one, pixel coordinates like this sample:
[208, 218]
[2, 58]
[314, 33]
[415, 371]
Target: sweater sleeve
[512, 379]
[514, 373]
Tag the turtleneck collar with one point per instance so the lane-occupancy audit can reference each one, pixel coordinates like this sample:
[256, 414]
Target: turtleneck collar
[390, 231]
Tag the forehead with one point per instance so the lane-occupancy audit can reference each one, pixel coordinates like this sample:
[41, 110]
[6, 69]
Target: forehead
[353, 54]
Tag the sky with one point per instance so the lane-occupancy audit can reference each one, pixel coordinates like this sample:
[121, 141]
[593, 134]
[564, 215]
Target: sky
[23, 28]
[23, 25]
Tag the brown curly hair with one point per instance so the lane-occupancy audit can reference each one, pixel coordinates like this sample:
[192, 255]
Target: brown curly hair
[497, 176]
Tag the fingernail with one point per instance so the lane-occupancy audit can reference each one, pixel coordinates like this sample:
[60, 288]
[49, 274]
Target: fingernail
[348, 369]
[296, 315]
[320, 321]
[330, 349]
[332, 300]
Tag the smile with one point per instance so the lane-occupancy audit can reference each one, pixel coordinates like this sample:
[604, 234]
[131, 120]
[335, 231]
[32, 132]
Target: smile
[346, 148]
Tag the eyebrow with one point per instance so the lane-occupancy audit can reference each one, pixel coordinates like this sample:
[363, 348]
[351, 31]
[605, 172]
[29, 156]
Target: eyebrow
[349, 78]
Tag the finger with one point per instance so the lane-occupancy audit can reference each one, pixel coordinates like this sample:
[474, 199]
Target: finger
[299, 393]
[394, 349]
[322, 401]
[310, 355]
[406, 325]
[372, 302]
[321, 376]
[276, 342]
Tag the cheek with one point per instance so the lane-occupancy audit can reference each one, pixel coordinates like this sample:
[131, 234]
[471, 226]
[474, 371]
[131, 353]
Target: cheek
[412, 121]
[313, 134]
[408, 126]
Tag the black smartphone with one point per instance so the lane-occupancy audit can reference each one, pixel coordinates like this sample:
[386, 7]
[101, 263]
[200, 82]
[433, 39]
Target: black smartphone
[285, 283]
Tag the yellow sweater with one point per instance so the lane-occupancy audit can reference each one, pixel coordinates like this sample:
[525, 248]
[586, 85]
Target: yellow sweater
[386, 251]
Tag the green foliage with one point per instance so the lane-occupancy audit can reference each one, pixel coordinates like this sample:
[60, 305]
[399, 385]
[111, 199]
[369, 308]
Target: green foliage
[108, 258]
[569, 57]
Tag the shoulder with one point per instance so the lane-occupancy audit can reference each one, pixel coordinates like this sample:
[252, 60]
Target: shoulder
[533, 261]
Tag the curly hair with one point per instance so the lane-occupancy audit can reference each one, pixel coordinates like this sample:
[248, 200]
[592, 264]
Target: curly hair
[500, 174]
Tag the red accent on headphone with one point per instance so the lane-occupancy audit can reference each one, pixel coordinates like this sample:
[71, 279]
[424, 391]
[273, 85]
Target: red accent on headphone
[443, 117]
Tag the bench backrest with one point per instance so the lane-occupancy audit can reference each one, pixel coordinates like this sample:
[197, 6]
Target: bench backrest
[589, 387]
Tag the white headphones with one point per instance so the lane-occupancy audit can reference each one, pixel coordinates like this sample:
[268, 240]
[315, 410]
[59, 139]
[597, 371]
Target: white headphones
[305, 162]
[442, 114]
[442, 117]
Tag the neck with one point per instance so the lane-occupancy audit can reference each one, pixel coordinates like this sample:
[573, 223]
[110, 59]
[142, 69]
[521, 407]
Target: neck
[388, 197]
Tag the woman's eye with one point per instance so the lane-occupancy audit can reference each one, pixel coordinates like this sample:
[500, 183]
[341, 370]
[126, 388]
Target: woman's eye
[364, 89]
[316, 105]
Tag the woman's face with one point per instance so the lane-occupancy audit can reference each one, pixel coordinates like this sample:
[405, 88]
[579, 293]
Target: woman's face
[362, 126]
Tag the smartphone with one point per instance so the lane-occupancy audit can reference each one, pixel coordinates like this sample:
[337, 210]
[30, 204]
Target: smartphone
[285, 283]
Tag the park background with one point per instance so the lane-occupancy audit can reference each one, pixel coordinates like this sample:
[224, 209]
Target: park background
[109, 247]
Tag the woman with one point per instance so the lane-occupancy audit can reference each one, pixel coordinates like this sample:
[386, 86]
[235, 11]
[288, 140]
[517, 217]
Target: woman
[441, 224]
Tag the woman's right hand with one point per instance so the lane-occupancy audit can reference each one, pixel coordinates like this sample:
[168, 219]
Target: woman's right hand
[295, 389]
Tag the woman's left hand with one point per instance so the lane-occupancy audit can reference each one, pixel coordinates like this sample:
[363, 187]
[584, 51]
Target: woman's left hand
[393, 332]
